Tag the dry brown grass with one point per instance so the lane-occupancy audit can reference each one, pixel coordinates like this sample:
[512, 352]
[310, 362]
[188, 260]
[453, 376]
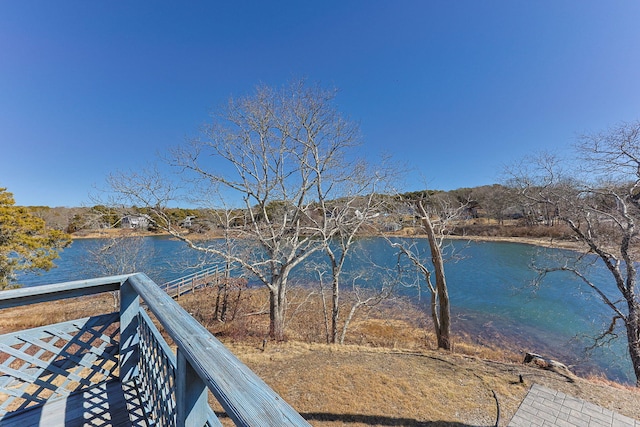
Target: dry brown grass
[388, 373]
[359, 386]
[364, 386]
[31, 316]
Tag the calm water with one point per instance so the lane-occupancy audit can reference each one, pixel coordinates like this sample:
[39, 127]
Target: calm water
[489, 287]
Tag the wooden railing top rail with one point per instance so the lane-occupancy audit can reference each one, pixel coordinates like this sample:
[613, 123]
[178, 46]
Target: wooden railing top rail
[58, 291]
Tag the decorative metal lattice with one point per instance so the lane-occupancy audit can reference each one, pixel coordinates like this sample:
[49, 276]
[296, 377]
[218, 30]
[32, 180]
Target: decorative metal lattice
[56, 360]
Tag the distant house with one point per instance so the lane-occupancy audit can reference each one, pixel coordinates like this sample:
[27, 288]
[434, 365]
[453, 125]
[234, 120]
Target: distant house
[188, 222]
[392, 227]
[135, 221]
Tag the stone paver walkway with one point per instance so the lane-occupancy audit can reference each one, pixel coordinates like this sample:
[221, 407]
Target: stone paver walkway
[546, 407]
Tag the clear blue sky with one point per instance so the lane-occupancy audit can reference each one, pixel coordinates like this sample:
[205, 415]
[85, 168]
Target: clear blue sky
[454, 89]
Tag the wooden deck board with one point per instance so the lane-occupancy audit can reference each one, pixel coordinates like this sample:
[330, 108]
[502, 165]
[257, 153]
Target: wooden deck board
[107, 404]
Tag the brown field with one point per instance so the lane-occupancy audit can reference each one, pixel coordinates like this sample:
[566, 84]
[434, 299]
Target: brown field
[386, 374]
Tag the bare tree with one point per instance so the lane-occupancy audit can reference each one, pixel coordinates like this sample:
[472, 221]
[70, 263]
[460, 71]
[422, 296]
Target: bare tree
[367, 296]
[366, 286]
[344, 219]
[122, 254]
[276, 155]
[435, 222]
[226, 219]
[496, 200]
[598, 197]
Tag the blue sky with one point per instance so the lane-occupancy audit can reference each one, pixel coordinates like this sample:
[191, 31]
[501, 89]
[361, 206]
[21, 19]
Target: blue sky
[453, 89]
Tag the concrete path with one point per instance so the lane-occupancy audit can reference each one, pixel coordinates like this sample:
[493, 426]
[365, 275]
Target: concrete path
[546, 407]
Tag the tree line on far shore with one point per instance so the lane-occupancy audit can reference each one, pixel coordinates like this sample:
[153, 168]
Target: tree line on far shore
[489, 210]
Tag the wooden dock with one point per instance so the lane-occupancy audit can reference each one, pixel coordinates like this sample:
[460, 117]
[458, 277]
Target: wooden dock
[191, 282]
[116, 369]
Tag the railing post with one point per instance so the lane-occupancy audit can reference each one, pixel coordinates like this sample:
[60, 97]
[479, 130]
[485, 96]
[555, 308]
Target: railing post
[192, 407]
[129, 337]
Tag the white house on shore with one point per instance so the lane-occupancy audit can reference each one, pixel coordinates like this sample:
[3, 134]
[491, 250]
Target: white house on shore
[135, 221]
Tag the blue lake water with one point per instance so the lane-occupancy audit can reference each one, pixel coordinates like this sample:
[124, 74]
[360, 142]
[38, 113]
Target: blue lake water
[489, 287]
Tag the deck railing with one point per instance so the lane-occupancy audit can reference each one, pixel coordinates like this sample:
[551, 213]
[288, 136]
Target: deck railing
[35, 365]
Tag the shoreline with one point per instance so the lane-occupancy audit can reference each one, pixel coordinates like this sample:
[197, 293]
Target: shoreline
[546, 242]
[115, 233]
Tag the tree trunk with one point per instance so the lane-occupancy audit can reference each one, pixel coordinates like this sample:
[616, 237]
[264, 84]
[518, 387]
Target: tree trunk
[443, 328]
[435, 316]
[225, 303]
[325, 314]
[633, 337]
[335, 311]
[216, 311]
[352, 312]
[277, 308]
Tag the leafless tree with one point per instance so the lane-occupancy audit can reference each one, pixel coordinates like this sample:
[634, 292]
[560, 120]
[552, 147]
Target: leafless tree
[121, 254]
[226, 219]
[435, 220]
[276, 154]
[598, 196]
[343, 221]
[366, 286]
[496, 200]
[366, 296]
[57, 218]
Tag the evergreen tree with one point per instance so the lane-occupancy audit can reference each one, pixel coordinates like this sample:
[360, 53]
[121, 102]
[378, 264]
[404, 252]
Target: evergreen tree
[26, 244]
